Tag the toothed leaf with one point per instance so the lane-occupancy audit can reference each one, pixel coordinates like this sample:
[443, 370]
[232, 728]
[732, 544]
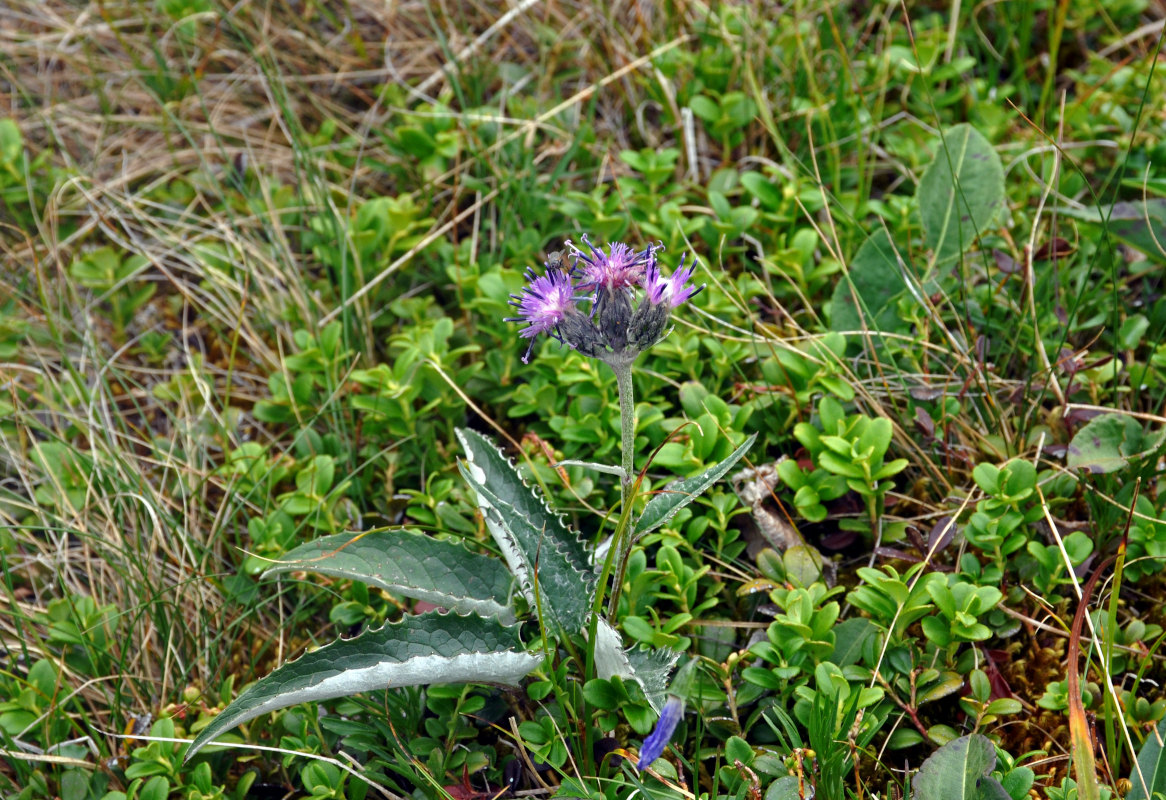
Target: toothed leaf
[649, 668]
[534, 540]
[676, 495]
[505, 482]
[438, 571]
[429, 648]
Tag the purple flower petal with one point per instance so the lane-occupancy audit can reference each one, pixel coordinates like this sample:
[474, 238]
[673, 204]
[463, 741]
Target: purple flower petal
[677, 292]
[542, 304]
[658, 739]
[673, 288]
[654, 284]
[621, 267]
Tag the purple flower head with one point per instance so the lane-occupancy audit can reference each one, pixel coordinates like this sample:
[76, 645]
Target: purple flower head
[623, 322]
[672, 289]
[658, 739]
[542, 305]
[619, 268]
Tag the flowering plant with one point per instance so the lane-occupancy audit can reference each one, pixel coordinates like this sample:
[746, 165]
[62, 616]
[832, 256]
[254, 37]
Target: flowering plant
[616, 331]
[610, 306]
[612, 332]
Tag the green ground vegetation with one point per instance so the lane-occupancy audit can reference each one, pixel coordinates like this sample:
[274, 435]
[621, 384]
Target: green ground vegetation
[256, 260]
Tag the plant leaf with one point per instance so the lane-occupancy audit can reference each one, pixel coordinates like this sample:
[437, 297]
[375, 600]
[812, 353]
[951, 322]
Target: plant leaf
[647, 667]
[1140, 224]
[604, 468]
[429, 648]
[1110, 442]
[803, 564]
[960, 770]
[866, 297]
[651, 668]
[1152, 765]
[961, 194]
[787, 787]
[509, 487]
[676, 495]
[537, 545]
[849, 637]
[439, 571]
[564, 592]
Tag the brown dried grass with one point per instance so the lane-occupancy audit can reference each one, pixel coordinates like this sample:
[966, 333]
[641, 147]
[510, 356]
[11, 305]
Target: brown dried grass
[124, 101]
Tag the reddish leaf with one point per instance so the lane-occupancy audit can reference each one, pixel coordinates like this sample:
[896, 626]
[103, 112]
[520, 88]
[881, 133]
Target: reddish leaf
[1005, 263]
[1056, 248]
[924, 422]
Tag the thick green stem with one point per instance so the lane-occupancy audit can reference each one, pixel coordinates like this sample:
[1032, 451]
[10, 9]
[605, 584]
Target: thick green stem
[617, 553]
[616, 560]
[627, 426]
[621, 543]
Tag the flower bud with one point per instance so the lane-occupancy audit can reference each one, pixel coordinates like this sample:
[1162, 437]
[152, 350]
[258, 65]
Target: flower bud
[648, 324]
[580, 332]
[613, 311]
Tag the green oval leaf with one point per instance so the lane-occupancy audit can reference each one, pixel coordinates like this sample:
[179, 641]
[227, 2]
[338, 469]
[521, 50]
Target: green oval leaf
[961, 194]
[1110, 442]
[960, 770]
[865, 299]
[849, 638]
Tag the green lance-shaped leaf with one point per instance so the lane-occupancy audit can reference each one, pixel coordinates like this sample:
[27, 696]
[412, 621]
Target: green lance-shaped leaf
[649, 668]
[961, 194]
[1151, 767]
[960, 770]
[868, 296]
[1110, 442]
[429, 648]
[676, 495]
[537, 545]
[438, 571]
[564, 592]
